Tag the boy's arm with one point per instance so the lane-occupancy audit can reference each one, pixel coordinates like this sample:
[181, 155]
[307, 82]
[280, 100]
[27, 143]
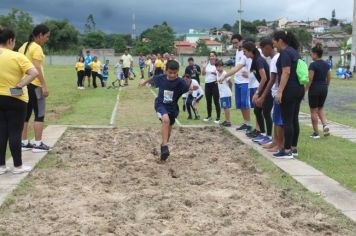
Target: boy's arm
[233, 71]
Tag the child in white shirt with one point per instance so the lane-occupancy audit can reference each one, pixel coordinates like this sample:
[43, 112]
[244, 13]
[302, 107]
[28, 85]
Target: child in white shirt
[225, 93]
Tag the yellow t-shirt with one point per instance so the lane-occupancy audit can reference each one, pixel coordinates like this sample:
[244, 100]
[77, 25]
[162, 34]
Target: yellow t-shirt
[147, 64]
[159, 63]
[95, 66]
[34, 52]
[79, 66]
[14, 65]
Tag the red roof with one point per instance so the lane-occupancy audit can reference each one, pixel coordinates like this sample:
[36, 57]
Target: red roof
[210, 42]
[185, 44]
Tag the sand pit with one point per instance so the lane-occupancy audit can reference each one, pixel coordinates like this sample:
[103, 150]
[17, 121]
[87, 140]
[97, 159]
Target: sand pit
[110, 182]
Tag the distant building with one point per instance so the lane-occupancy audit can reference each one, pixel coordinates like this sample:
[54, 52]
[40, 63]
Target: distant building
[213, 45]
[194, 35]
[184, 48]
[219, 33]
[282, 22]
[331, 42]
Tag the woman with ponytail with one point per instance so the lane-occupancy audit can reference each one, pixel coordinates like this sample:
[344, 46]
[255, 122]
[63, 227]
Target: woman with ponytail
[37, 90]
[319, 80]
[290, 92]
[262, 111]
[16, 72]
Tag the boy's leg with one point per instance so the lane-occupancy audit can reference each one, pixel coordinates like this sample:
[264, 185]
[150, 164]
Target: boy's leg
[166, 129]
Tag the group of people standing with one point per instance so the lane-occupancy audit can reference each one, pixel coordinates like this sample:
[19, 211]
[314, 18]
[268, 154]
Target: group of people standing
[23, 91]
[90, 67]
[266, 79]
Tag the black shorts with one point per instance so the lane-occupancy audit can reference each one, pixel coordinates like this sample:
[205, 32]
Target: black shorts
[87, 72]
[36, 103]
[317, 96]
[126, 72]
[161, 110]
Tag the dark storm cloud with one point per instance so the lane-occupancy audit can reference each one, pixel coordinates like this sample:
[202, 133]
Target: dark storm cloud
[116, 15]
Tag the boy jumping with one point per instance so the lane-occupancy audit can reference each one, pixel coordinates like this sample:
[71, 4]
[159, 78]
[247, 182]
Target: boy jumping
[171, 88]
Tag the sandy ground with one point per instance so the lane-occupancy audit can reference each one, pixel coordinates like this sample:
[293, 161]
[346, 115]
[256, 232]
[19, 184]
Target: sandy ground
[110, 182]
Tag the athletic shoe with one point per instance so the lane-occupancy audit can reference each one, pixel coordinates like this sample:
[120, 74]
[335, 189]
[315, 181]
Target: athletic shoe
[189, 118]
[22, 169]
[27, 147]
[78, 88]
[207, 119]
[326, 130]
[295, 152]
[4, 169]
[217, 122]
[164, 153]
[266, 140]
[243, 127]
[41, 148]
[226, 124]
[281, 154]
[253, 134]
[315, 135]
[259, 138]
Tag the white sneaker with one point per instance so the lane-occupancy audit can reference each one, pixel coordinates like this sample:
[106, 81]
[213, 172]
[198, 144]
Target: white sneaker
[326, 130]
[22, 169]
[217, 122]
[207, 119]
[4, 169]
[78, 88]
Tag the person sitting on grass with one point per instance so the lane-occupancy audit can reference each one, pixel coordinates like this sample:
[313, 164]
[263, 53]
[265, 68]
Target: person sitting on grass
[171, 88]
[195, 94]
[348, 73]
[225, 93]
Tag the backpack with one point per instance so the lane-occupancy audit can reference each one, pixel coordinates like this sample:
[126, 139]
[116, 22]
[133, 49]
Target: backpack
[302, 72]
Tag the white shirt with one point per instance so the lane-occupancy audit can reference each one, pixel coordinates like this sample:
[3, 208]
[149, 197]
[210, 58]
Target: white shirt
[209, 76]
[127, 59]
[241, 59]
[151, 67]
[197, 92]
[118, 69]
[224, 89]
[253, 83]
[273, 69]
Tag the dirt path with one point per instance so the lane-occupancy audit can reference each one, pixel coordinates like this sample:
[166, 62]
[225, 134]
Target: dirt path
[110, 182]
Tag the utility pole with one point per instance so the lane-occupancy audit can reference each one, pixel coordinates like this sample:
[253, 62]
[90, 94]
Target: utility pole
[353, 50]
[133, 34]
[240, 11]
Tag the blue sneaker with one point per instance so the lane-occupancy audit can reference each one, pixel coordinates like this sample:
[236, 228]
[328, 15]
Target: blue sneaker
[259, 138]
[282, 154]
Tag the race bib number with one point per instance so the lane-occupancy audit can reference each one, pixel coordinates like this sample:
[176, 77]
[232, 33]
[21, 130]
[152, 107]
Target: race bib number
[167, 96]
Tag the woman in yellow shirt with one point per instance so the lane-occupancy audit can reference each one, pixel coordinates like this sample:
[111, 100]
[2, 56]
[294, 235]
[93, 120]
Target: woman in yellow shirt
[15, 74]
[79, 66]
[159, 65]
[37, 89]
[95, 71]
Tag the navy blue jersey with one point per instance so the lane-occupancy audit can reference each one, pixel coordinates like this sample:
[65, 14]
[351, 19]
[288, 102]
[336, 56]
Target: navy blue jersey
[289, 58]
[192, 71]
[321, 69]
[258, 64]
[169, 91]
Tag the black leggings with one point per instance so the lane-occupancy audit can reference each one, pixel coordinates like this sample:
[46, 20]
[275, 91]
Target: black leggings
[291, 99]
[12, 118]
[189, 106]
[212, 91]
[80, 75]
[264, 115]
[95, 74]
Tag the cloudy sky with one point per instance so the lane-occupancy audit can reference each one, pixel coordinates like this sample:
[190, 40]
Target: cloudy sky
[115, 15]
